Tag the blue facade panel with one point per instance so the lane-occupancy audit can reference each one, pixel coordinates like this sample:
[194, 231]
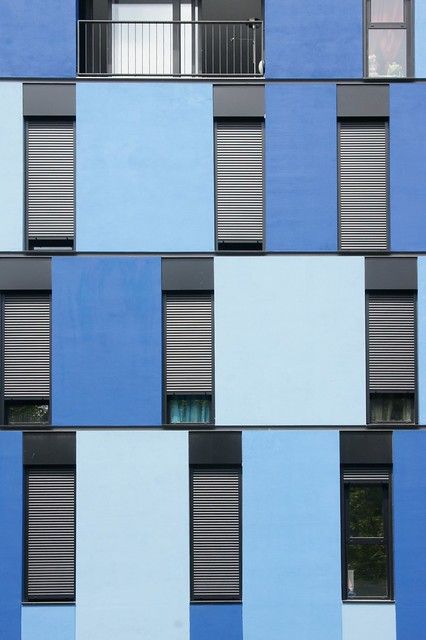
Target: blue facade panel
[368, 621]
[132, 577]
[38, 38]
[145, 167]
[11, 501]
[214, 621]
[106, 341]
[291, 543]
[53, 622]
[11, 166]
[301, 183]
[420, 39]
[408, 157]
[308, 40]
[409, 510]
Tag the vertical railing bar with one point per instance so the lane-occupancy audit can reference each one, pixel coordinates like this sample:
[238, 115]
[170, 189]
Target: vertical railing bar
[212, 30]
[233, 47]
[241, 51]
[86, 56]
[100, 47]
[248, 30]
[227, 50]
[220, 49]
[93, 54]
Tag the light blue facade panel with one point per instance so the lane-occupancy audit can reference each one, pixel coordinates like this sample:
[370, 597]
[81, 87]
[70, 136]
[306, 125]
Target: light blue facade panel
[215, 621]
[11, 166]
[106, 341]
[407, 159]
[308, 40]
[132, 536]
[291, 542]
[52, 622]
[301, 156]
[145, 167]
[38, 38]
[420, 39]
[369, 622]
[289, 340]
[421, 337]
[409, 513]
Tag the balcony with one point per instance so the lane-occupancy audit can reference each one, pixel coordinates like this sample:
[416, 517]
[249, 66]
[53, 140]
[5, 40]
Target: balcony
[172, 48]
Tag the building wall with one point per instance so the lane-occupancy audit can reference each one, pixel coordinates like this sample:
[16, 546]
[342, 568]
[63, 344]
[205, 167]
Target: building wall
[106, 341]
[132, 536]
[289, 341]
[420, 39]
[145, 167]
[213, 621]
[26, 27]
[369, 621]
[11, 166]
[291, 543]
[301, 167]
[41, 622]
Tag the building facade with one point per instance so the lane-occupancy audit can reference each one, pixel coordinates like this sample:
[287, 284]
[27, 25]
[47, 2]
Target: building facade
[212, 320]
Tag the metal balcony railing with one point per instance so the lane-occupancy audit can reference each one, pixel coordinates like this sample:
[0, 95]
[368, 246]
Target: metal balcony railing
[116, 48]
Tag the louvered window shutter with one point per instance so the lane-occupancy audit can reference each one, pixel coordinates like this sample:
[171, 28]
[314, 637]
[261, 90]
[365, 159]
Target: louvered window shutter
[366, 475]
[50, 528]
[50, 179]
[391, 342]
[216, 540]
[26, 346]
[239, 181]
[189, 349]
[363, 188]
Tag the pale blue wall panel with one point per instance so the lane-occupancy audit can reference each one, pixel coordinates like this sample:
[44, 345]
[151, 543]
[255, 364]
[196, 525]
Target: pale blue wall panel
[132, 536]
[420, 38]
[290, 340]
[291, 542]
[11, 167]
[145, 167]
[369, 622]
[48, 622]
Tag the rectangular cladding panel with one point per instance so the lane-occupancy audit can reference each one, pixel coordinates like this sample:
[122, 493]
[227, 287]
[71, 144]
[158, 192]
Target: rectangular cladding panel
[11, 166]
[368, 621]
[41, 622]
[216, 621]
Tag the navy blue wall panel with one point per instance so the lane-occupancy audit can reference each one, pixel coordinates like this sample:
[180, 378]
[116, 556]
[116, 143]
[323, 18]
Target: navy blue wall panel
[312, 39]
[11, 483]
[407, 162]
[106, 341]
[38, 38]
[301, 183]
[409, 490]
[216, 621]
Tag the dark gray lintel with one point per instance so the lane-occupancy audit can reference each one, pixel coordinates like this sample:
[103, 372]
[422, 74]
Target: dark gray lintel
[54, 100]
[187, 274]
[215, 448]
[25, 274]
[387, 274]
[363, 101]
[238, 101]
[358, 447]
[44, 449]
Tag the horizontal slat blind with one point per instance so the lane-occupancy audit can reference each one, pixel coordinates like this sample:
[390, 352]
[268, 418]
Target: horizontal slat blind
[50, 533]
[363, 185]
[391, 342]
[50, 179]
[189, 349]
[216, 534]
[366, 475]
[239, 181]
[27, 346]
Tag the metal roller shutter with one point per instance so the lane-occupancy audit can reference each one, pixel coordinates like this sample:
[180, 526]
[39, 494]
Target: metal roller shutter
[189, 348]
[216, 543]
[363, 176]
[50, 533]
[392, 342]
[50, 179]
[239, 181]
[26, 346]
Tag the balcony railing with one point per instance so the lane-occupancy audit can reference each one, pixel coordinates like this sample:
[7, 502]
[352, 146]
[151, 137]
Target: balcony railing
[116, 48]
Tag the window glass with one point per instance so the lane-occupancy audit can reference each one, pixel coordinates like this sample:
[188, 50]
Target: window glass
[387, 11]
[189, 409]
[387, 53]
[392, 407]
[366, 518]
[27, 413]
[367, 571]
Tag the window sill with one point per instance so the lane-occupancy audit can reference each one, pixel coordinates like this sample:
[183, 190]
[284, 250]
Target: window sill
[367, 601]
[45, 603]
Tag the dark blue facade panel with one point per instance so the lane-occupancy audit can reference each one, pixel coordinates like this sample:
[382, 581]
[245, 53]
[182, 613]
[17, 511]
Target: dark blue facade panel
[106, 341]
[301, 166]
[407, 162]
[11, 483]
[409, 491]
[313, 40]
[38, 38]
[216, 621]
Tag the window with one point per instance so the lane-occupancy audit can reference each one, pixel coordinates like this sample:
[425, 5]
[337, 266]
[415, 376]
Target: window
[363, 185]
[367, 535]
[50, 533]
[189, 357]
[26, 357]
[215, 533]
[50, 183]
[391, 339]
[388, 39]
[239, 183]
